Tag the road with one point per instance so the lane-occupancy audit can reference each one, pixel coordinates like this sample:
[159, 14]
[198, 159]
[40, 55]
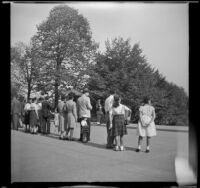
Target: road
[37, 158]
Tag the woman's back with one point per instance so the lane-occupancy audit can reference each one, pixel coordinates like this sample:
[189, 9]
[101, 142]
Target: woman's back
[70, 106]
[147, 110]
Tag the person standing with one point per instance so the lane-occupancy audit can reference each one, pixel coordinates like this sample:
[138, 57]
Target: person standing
[99, 112]
[71, 116]
[34, 118]
[84, 107]
[61, 127]
[108, 105]
[40, 114]
[117, 122]
[46, 108]
[27, 109]
[21, 118]
[15, 112]
[146, 126]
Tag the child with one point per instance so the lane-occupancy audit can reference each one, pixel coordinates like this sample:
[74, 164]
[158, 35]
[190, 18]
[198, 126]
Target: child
[146, 126]
[117, 116]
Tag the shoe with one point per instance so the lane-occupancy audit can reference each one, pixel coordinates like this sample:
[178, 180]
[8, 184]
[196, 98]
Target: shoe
[116, 148]
[122, 148]
[137, 150]
[109, 147]
[147, 151]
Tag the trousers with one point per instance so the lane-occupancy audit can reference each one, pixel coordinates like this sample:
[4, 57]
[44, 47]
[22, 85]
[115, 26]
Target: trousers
[45, 128]
[110, 138]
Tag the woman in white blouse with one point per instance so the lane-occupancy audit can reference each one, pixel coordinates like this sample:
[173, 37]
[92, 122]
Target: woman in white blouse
[117, 122]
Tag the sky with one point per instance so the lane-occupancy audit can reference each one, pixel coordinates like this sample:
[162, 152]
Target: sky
[161, 29]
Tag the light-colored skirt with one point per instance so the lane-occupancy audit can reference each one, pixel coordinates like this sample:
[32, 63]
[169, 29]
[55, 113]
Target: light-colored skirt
[149, 131]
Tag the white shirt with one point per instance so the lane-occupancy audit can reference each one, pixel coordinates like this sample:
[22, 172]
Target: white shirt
[39, 106]
[108, 103]
[121, 109]
[27, 107]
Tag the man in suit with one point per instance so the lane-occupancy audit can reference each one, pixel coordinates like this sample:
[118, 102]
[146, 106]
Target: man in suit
[16, 110]
[108, 106]
[84, 107]
[45, 116]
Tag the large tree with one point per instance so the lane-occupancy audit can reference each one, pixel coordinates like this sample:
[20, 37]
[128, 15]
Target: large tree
[64, 42]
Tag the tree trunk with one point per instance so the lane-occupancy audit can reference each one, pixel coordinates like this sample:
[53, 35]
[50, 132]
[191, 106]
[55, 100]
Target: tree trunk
[29, 90]
[56, 93]
[57, 83]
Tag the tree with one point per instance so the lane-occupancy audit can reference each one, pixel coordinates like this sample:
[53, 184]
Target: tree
[25, 67]
[64, 42]
[18, 84]
[125, 69]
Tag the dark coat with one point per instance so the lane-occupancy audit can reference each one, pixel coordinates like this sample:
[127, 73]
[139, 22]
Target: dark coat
[46, 108]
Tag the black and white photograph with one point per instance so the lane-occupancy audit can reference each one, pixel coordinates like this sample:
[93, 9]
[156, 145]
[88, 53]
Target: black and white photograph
[100, 92]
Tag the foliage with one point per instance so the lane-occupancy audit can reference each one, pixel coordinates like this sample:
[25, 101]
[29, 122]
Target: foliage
[125, 69]
[25, 67]
[64, 42]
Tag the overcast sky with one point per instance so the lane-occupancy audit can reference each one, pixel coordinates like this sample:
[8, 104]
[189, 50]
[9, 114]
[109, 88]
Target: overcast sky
[161, 30]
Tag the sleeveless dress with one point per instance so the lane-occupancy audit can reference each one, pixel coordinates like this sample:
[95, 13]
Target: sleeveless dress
[119, 128]
[151, 129]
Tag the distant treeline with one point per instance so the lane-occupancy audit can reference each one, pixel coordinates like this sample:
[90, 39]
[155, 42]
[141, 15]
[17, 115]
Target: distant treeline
[124, 69]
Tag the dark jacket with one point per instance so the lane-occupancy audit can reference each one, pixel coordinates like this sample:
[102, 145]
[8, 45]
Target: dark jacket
[46, 108]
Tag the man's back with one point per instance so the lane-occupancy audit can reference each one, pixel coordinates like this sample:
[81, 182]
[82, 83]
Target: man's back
[45, 108]
[108, 103]
[84, 106]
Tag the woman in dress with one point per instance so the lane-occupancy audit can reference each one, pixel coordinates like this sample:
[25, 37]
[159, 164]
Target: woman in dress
[70, 108]
[117, 122]
[34, 118]
[146, 126]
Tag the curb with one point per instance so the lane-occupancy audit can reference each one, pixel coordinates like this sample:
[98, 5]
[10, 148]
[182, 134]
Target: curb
[157, 128]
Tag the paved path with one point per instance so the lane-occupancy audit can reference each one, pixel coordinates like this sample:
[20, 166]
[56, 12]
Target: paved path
[46, 159]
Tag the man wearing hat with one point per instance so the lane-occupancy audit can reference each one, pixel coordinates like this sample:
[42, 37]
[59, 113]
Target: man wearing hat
[84, 107]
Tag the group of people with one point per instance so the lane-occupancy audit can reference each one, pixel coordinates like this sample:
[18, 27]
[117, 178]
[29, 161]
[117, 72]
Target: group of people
[35, 114]
[39, 112]
[116, 117]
